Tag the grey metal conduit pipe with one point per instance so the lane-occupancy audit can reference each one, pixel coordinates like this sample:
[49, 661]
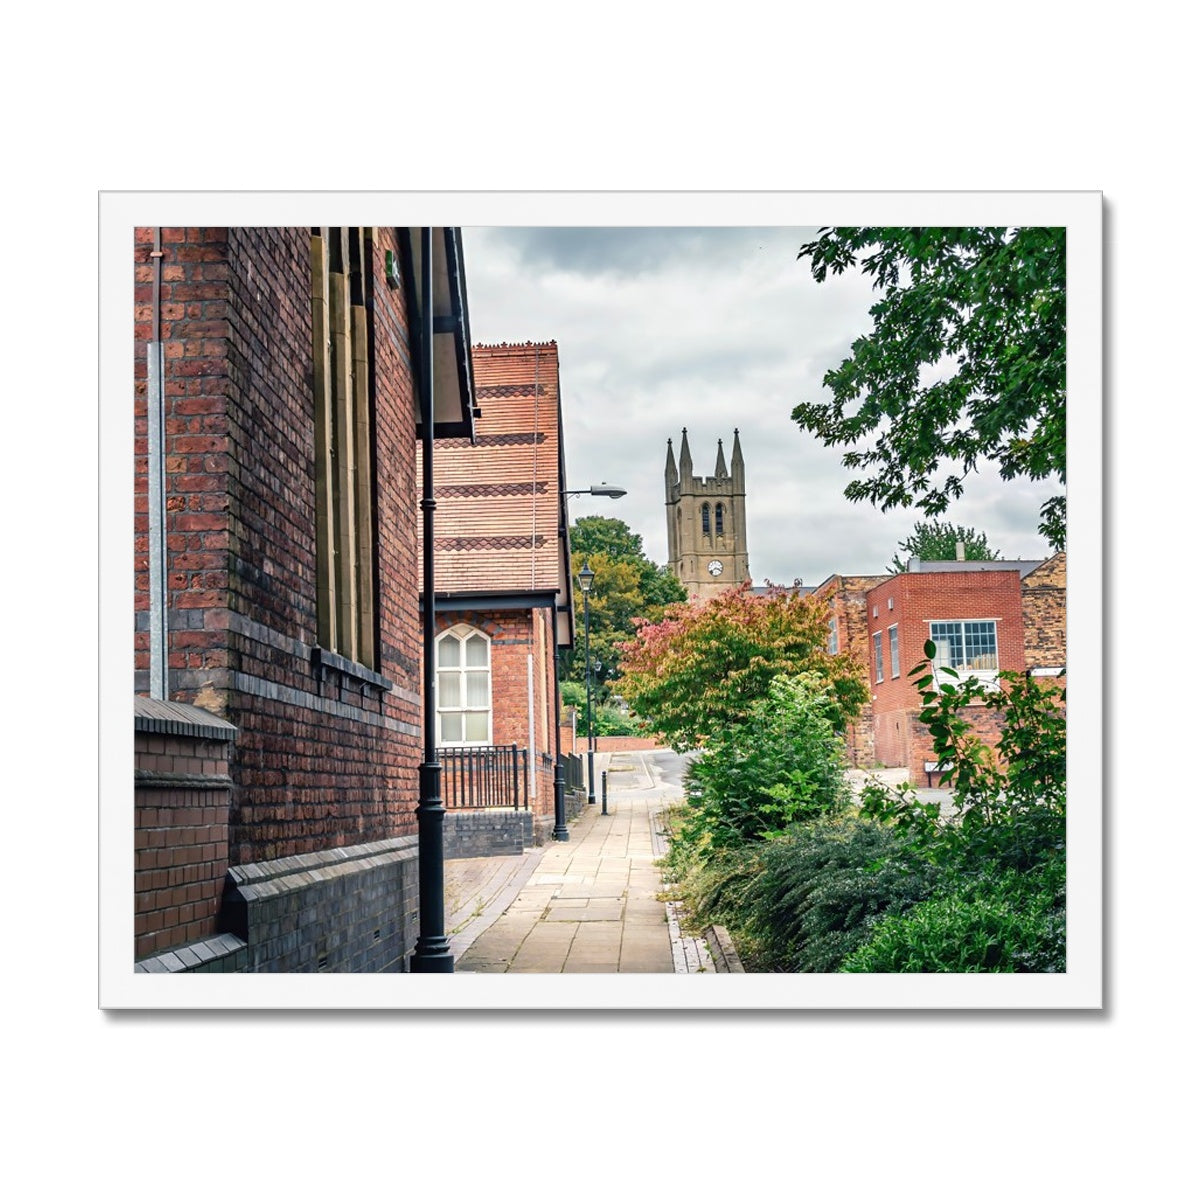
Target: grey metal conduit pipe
[156, 484]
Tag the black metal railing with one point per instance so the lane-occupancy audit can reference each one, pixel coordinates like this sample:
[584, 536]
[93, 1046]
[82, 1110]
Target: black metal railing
[484, 776]
[572, 765]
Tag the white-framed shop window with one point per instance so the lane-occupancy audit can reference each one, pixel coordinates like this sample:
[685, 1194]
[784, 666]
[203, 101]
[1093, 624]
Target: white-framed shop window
[464, 687]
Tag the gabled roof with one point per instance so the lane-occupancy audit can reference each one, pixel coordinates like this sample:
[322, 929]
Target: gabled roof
[498, 525]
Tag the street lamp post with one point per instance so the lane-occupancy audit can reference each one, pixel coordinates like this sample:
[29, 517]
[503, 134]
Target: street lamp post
[586, 575]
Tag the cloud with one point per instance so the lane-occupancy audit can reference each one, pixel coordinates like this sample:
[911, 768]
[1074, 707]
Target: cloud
[709, 329]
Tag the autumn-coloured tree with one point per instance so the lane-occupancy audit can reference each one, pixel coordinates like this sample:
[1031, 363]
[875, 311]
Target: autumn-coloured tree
[702, 666]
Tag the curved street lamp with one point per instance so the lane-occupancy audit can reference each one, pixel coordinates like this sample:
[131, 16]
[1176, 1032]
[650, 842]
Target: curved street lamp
[603, 489]
[586, 576]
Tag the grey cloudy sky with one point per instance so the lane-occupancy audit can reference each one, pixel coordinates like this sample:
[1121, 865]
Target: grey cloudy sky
[709, 329]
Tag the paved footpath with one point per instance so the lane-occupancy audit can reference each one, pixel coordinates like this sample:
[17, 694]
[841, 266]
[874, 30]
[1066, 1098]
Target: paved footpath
[591, 904]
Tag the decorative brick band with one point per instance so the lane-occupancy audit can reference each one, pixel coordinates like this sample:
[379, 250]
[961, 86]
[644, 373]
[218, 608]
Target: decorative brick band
[501, 439]
[505, 390]
[493, 489]
[490, 543]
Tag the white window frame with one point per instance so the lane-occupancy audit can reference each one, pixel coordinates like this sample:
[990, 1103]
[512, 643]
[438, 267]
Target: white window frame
[833, 636]
[894, 649]
[986, 675]
[462, 633]
[877, 648]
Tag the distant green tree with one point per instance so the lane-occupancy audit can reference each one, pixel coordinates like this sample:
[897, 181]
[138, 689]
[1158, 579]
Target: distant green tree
[937, 541]
[966, 363]
[627, 588]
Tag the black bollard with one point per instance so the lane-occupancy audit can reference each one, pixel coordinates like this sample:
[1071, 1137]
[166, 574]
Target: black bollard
[604, 793]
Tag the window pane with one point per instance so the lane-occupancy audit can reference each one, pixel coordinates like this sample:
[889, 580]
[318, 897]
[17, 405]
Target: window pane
[452, 727]
[448, 652]
[477, 651]
[894, 649]
[477, 689]
[477, 727]
[948, 637]
[980, 641]
[449, 689]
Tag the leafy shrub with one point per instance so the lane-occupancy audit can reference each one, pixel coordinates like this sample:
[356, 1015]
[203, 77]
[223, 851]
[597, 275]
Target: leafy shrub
[821, 888]
[1011, 801]
[992, 923]
[713, 888]
[783, 764]
[608, 718]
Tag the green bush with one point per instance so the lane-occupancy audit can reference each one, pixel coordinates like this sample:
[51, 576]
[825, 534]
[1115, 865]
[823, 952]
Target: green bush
[783, 764]
[608, 718]
[713, 887]
[1011, 802]
[1008, 922]
[819, 890]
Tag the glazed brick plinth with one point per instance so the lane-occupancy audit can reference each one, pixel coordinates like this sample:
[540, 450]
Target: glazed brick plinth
[182, 793]
[346, 909]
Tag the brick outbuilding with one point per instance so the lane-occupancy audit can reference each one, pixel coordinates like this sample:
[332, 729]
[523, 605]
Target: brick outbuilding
[984, 617]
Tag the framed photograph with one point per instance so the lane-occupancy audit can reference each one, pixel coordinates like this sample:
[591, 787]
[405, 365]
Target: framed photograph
[601, 601]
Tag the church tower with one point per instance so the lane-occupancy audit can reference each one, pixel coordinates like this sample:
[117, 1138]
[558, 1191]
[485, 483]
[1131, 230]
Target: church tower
[706, 521]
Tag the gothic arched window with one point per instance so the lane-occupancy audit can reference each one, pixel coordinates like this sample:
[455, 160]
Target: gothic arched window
[464, 687]
[705, 527]
[720, 520]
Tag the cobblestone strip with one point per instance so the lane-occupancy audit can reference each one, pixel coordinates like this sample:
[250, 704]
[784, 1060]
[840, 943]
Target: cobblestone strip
[690, 955]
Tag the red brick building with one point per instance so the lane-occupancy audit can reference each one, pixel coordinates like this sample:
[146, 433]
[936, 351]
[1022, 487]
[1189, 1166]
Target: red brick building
[277, 640]
[984, 617]
[502, 572]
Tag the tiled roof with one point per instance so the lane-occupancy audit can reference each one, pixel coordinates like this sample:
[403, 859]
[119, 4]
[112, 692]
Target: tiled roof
[497, 517]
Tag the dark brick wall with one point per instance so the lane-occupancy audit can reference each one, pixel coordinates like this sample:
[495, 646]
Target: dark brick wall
[324, 758]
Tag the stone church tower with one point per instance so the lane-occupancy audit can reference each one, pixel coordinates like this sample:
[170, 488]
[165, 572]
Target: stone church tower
[706, 522]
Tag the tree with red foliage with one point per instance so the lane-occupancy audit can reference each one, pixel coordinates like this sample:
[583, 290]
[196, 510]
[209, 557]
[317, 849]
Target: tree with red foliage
[701, 667]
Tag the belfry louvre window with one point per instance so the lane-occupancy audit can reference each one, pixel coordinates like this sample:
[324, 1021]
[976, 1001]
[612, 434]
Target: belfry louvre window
[342, 420]
[464, 687]
[705, 527]
[720, 520]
